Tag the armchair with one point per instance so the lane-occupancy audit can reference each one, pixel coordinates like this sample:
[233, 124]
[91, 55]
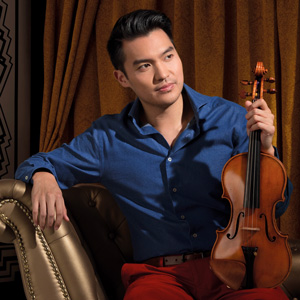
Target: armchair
[81, 260]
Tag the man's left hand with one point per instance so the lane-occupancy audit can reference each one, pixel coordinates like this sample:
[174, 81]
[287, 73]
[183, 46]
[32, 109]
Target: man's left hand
[260, 117]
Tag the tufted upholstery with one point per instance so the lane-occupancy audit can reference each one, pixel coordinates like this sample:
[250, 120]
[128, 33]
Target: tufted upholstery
[96, 214]
[82, 260]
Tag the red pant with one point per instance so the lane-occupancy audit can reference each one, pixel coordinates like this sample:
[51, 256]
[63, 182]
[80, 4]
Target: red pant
[192, 280]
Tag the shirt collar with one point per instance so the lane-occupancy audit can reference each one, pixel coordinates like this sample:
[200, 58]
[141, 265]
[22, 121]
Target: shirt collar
[197, 101]
[134, 114]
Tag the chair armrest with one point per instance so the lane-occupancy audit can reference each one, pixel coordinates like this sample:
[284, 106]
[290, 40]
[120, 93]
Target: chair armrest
[53, 264]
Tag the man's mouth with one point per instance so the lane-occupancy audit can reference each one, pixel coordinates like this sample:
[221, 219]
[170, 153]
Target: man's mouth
[165, 88]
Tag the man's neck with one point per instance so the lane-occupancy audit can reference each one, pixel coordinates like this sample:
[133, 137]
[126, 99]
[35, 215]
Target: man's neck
[171, 121]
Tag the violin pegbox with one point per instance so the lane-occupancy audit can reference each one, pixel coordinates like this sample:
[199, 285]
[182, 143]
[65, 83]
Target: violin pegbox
[258, 90]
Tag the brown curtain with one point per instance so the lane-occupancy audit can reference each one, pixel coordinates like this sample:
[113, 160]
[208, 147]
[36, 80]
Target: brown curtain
[67, 44]
[219, 43]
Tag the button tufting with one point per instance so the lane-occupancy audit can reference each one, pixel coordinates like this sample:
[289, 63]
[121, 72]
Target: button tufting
[111, 235]
[92, 203]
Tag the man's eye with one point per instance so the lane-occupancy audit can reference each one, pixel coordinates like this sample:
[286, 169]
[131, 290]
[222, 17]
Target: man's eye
[168, 57]
[144, 66]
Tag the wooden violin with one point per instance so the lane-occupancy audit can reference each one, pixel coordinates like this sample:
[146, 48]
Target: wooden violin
[251, 252]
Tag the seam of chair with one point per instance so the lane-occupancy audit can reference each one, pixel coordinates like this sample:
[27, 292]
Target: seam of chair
[22, 248]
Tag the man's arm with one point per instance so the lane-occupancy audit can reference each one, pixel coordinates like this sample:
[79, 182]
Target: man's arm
[76, 162]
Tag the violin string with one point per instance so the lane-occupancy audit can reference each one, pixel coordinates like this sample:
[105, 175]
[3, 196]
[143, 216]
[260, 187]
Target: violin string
[254, 148]
[249, 195]
[246, 193]
[256, 170]
[252, 202]
[257, 155]
[257, 175]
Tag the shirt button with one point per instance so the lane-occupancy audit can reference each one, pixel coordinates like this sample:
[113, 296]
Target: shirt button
[169, 158]
[26, 177]
[182, 217]
[195, 235]
[174, 190]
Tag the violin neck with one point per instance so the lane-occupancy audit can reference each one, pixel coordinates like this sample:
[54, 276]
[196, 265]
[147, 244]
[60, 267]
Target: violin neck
[251, 197]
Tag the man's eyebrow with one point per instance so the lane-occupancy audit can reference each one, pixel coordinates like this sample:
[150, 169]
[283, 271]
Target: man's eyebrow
[171, 48]
[143, 60]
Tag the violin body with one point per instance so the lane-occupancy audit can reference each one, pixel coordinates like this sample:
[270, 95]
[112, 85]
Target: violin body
[250, 252]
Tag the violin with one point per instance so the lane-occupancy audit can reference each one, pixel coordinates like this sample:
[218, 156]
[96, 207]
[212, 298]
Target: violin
[251, 252]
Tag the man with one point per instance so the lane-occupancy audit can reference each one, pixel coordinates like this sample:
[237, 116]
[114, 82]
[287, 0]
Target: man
[162, 159]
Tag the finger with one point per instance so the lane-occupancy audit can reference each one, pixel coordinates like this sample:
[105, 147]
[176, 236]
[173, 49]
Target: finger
[248, 105]
[266, 128]
[59, 213]
[35, 210]
[258, 119]
[50, 211]
[261, 104]
[257, 111]
[66, 215]
[42, 213]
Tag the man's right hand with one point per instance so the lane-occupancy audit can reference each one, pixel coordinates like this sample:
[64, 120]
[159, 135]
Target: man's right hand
[48, 205]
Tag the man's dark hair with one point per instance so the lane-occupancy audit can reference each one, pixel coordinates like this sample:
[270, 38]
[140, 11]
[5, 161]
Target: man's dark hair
[135, 24]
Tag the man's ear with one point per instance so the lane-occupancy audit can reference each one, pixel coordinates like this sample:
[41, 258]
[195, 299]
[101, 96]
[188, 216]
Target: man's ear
[121, 77]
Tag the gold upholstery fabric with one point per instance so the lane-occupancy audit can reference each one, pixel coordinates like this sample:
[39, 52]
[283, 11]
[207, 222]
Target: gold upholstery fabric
[53, 265]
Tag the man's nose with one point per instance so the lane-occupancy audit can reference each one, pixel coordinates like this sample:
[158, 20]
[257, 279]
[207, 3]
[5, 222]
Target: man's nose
[161, 72]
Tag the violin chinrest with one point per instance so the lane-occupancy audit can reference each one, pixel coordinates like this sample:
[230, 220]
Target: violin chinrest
[231, 272]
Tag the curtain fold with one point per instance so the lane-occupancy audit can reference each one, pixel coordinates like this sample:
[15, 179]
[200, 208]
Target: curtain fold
[64, 64]
[288, 15]
[219, 43]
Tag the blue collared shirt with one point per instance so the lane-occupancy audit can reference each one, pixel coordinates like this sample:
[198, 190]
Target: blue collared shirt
[171, 196]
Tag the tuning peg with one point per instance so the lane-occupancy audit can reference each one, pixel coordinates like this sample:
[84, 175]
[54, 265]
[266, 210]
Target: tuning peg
[271, 80]
[244, 94]
[246, 82]
[270, 91]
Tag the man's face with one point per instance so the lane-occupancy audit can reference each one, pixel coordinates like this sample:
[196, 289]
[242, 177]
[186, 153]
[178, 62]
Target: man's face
[154, 70]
